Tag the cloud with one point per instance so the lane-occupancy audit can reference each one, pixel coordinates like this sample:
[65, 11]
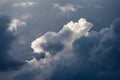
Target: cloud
[84, 54]
[65, 8]
[47, 22]
[52, 42]
[48, 47]
[16, 23]
[101, 49]
[25, 4]
[7, 62]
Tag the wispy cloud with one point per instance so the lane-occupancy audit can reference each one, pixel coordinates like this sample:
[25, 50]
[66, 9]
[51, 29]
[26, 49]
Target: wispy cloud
[25, 4]
[67, 7]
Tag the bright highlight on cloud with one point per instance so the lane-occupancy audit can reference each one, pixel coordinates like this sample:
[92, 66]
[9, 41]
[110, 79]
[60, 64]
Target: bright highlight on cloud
[25, 4]
[51, 42]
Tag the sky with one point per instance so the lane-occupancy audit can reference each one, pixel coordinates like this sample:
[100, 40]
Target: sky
[59, 40]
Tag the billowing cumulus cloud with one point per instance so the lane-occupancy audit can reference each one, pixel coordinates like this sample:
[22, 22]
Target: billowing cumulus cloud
[53, 42]
[75, 52]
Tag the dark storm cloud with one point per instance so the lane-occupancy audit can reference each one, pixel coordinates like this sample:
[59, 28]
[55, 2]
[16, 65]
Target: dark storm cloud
[107, 53]
[39, 56]
[6, 38]
[101, 50]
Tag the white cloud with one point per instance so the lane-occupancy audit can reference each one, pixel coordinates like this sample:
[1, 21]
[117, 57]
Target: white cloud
[18, 22]
[70, 32]
[15, 23]
[65, 8]
[25, 4]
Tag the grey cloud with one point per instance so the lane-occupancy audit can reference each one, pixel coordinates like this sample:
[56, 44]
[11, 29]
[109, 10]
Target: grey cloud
[53, 47]
[102, 49]
[7, 62]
